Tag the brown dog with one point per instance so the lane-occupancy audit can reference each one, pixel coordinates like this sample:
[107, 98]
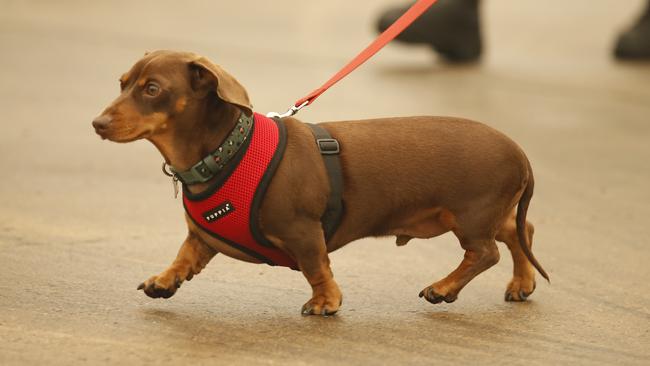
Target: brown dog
[416, 177]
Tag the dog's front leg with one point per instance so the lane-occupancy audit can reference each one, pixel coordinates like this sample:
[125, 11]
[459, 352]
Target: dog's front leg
[314, 263]
[192, 257]
[326, 296]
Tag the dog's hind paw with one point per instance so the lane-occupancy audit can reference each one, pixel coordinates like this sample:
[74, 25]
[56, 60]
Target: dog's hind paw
[519, 290]
[160, 286]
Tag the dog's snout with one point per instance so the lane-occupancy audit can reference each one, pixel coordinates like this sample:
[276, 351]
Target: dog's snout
[101, 125]
[102, 122]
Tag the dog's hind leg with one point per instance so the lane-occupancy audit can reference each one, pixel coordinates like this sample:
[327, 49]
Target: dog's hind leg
[522, 283]
[480, 254]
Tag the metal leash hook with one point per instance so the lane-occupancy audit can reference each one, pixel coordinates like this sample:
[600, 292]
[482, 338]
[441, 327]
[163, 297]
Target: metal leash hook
[166, 169]
[290, 112]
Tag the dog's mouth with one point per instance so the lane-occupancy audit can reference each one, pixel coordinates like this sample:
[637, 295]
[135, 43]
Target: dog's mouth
[102, 132]
[126, 134]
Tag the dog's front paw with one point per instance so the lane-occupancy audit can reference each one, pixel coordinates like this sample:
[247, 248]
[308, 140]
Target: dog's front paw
[163, 285]
[437, 296]
[519, 289]
[326, 300]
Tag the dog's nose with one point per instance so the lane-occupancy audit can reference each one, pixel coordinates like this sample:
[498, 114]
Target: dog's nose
[102, 122]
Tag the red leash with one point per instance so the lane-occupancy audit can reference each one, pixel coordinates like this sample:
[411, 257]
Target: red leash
[388, 35]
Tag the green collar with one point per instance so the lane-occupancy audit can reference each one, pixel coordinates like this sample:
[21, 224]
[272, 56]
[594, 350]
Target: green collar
[214, 163]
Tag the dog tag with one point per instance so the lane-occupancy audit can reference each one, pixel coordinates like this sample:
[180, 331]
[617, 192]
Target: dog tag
[175, 185]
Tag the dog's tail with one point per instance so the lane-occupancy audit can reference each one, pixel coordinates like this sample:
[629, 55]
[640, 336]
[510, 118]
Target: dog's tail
[522, 210]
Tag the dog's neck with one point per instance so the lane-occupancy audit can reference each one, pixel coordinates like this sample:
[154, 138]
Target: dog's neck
[185, 147]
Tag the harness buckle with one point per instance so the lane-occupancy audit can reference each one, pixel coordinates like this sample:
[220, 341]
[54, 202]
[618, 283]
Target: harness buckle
[203, 171]
[328, 146]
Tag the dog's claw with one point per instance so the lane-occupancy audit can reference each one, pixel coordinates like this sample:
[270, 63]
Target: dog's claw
[141, 286]
[327, 312]
[522, 296]
[307, 310]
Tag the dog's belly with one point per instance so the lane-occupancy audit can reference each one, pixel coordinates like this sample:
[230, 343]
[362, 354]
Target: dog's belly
[423, 224]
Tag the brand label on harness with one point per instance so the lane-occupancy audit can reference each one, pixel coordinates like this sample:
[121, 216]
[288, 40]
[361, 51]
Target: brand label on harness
[218, 212]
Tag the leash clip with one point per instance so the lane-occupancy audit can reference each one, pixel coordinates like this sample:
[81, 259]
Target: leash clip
[168, 171]
[290, 112]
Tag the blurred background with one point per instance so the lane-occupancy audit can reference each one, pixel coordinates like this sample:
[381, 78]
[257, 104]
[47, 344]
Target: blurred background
[84, 221]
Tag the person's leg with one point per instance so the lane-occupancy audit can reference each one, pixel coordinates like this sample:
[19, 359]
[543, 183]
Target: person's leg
[634, 44]
[451, 27]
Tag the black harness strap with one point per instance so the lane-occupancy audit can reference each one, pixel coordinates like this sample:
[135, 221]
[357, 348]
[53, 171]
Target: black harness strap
[330, 149]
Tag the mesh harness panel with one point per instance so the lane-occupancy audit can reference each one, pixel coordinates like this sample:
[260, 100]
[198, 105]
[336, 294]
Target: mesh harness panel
[229, 209]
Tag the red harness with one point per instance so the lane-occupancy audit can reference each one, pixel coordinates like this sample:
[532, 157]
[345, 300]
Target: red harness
[229, 209]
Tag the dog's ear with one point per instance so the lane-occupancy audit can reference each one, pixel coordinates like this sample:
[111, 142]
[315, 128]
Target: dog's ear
[206, 76]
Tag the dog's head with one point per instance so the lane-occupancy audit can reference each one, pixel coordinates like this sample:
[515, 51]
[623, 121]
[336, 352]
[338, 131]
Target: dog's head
[162, 91]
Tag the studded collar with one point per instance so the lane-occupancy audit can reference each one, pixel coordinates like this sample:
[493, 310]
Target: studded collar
[214, 162]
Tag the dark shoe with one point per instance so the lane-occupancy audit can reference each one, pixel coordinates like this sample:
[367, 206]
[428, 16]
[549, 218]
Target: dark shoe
[634, 44]
[451, 27]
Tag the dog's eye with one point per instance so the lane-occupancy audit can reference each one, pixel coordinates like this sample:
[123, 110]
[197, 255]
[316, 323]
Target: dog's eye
[152, 89]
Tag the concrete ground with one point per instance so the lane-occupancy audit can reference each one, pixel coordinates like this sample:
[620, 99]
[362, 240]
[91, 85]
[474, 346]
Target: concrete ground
[83, 222]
